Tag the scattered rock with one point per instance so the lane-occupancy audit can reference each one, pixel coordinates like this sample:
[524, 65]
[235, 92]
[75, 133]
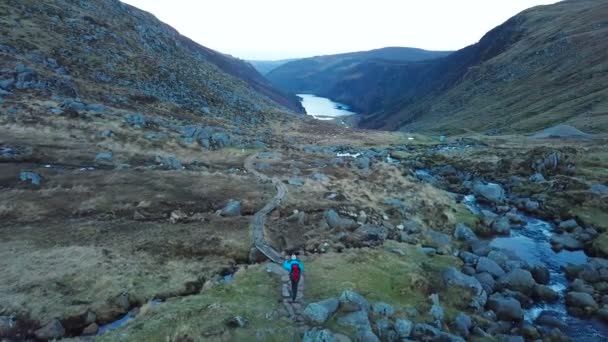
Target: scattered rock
[91, 329]
[370, 235]
[490, 266]
[453, 277]
[220, 140]
[489, 192]
[334, 221]
[318, 335]
[506, 308]
[599, 189]
[296, 181]
[566, 241]
[463, 324]
[356, 319]
[352, 301]
[518, 280]
[403, 327]
[547, 319]
[531, 206]
[232, 209]
[106, 133]
[53, 330]
[537, 178]
[464, 233]
[383, 310]
[177, 216]
[581, 300]
[320, 312]
[441, 242]
[501, 226]
[169, 162]
[104, 157]
[237, 322]
[30, 176]
[135, 120]
[319, 177]
[541, 274]
[568, 225]
[545, 293]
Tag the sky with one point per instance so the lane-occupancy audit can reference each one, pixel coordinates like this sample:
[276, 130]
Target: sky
[280, 29]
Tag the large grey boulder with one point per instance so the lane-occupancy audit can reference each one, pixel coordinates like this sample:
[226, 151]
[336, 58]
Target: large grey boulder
[568, 225]
[52, 330]
[320, 312]
[403, 327]
[383, 310]
[547, 319]
[581, 300]
[370, 235]
[489, 192]
[485, 264]
[566, 241]
[440, 241]
[501, 226]
[335, 221]
[453, 277]
[464, 233]
[487, 281]
[463, 324]
[426, 332]
[545, 294]
[541, 274]
[518, 280]
[232, 209]
[352, 301]
[506, 308]
[366, 335]
[358, 320]
[318, 335]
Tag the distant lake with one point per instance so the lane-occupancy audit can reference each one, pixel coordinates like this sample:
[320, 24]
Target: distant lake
[322, 108]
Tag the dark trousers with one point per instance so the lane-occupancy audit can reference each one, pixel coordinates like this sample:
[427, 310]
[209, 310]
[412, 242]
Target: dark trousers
[294, 290]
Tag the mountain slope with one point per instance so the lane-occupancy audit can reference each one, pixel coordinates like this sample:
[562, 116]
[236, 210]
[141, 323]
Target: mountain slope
[264, 67]
[107, 44]
[544, 66]
[319, 74]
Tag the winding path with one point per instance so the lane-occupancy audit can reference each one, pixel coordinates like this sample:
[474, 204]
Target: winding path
[257, 225]
[293, 309]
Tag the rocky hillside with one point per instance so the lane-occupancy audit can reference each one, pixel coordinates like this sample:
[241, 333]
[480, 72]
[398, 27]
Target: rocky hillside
[319, 75]
[542, 67]
[113, 53]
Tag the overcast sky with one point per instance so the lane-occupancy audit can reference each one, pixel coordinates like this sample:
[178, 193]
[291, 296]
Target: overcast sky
[277, 29]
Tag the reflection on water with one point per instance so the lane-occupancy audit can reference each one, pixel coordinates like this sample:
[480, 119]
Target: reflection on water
[322, 108]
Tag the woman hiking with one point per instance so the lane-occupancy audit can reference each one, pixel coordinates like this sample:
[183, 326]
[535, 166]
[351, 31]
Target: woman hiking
[295, 269]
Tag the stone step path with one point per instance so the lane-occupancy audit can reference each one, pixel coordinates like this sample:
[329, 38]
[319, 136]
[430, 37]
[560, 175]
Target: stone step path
[293, 309]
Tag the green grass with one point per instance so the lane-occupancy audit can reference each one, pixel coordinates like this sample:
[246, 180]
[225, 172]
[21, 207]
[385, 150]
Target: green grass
[592, 216]
[464, 215]
[600, 245]
[253, 294]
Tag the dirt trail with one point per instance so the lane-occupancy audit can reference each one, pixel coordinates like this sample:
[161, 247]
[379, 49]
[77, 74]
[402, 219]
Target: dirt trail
[294, 309]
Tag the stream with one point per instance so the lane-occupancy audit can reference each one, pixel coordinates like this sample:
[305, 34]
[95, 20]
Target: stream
[531, 244]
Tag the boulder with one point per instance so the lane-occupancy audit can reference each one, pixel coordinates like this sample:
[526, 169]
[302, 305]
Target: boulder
[104, 157]
[545, 294]
[441, 242]
[531, 206]
[541, 274]
[501, 226]
[30, 176]
[366, 335]
[426, 332]
[334, 221]
[362, 163]
[384, 330]
[220, 140]
[52, 330]
[403, 327]
[487, 281]
[490, 192]
[464, 233]
[568, 225]
[480, 248]
[135, 120]
[357, 319]
[579, 285]
[566, 241]
[518, 280]
[318, 335]
[320, 177]
[546, 318]
[453, 277]
[436, 310]
[90, 329]
[383, 310]
[506, 308]
[463, 324]
[352, 301]
[169, 162]
[319, 312]
[468, 258]
[537, 178]
[370, 235]
[232, 209]
[581, 300]
[485, 264]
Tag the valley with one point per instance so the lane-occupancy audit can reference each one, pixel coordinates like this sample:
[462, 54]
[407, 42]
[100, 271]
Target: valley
[151, 187]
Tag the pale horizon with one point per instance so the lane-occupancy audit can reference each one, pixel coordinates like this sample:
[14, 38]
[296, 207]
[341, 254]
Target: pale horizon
[280, 29]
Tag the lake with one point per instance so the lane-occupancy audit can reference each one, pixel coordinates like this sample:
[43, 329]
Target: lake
[322, 108]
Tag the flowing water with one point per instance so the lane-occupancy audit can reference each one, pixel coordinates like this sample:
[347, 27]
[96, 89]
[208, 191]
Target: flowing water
[322, 108]
[531, 244]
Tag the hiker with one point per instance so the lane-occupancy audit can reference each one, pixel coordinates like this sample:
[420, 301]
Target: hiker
[295, 269]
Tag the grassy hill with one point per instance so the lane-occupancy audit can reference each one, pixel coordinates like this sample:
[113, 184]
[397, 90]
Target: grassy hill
[320, 74]
[544, 66]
